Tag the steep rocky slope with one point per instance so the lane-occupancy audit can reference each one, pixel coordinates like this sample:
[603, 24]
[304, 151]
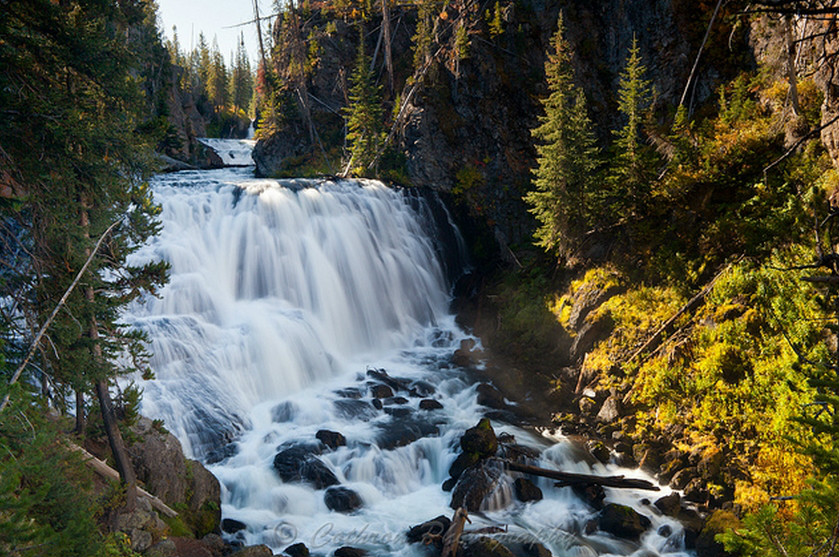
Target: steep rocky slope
[466, 129]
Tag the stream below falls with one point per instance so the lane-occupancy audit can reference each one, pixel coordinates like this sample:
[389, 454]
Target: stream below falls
[285, 298]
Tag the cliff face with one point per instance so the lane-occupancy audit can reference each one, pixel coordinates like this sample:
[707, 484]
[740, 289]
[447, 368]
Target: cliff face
[466, 130]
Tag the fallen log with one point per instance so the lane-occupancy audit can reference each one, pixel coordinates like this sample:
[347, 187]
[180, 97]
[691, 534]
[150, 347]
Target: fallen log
[451, 539]
[568, 478]
[101, 468]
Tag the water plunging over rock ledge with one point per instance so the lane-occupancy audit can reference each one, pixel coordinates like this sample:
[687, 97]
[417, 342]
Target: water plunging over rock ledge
[304, 351]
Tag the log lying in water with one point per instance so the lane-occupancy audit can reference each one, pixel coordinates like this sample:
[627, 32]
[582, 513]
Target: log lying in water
[567, 478]
[451, 539]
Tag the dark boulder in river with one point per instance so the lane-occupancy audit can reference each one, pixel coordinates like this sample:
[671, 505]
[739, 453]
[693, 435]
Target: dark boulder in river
[342, 500]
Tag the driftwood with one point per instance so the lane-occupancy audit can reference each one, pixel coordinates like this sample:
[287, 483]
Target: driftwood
[101, 468]
[451, 539]
[568, 478]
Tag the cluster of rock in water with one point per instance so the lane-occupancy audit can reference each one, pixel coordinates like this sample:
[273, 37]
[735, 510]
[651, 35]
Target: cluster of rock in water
[475, 474]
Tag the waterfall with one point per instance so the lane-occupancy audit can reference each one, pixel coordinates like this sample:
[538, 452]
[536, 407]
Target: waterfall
[286, 298]
[274, 288]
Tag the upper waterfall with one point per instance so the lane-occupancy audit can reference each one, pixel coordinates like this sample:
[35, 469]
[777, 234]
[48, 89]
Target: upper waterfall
[232, 152]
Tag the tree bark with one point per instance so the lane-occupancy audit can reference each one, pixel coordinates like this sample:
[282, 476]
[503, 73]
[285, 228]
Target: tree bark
[388, 55]
[451, 539]
[80, 417]
[567, 478]
[792, 75]
[123, 463]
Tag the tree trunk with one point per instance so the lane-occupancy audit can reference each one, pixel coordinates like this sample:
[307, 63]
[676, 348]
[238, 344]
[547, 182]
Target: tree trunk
[388, 55]
[80, 417]
[792, 75]
[123, 463]
[568, 478]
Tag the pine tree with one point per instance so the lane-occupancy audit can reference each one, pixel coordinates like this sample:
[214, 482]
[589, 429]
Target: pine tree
[202, 64]
[241, 78]
[422, 38]
[564, 198]
[496, 27]
[364, 115]
[632, 171]
[216, 84]
[75, 107]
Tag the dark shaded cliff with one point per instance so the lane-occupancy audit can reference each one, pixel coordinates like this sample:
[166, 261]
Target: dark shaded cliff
[466, 129]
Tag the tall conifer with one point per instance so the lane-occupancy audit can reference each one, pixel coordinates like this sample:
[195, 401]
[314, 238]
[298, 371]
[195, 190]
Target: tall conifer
[564, 198]
[632, 171]
[364, 114]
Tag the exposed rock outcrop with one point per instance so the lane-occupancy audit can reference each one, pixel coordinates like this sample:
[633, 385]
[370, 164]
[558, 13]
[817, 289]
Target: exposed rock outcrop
[160, 464]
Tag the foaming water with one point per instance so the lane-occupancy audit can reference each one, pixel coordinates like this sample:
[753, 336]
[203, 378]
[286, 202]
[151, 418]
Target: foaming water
[232, 152]
[283, 294]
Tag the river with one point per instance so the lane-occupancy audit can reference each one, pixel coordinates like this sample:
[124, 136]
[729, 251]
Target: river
[285, 298]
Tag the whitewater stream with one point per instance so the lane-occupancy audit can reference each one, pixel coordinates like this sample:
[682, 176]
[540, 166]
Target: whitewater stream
[283, 295]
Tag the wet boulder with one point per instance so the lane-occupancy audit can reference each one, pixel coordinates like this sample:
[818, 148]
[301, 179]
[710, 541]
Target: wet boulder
[480, 439]
[622, 521]
[490, 397]
[526, 490]
[331, 439]
[381, 391]
[350, 392]
[355, 409]
[528, 548]
[592, 494]
[297, 550]
[231, 525]
[517, 453]
[397, 411]
[599, 451]
[342, 499]
[433, 529]
[395, 383]
[430, 404]
[421, 389]
[299, 463]
[485, 546]
[403, 430]
[669, 505]
[461, 463]
[475, 485]
[314, 472]
[284, 412]
[347, 551]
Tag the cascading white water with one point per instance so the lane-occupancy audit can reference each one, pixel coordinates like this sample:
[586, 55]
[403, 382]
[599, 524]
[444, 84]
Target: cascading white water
[233, 152]
[282, 295]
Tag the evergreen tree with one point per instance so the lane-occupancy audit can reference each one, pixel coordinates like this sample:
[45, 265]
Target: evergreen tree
[241, 78]
[564, 198]
[216, 84]
[202, 62]
[496, 27]
[632, 170]
[422, 38]
[364, 114]
[176, 56]
[74, 101]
